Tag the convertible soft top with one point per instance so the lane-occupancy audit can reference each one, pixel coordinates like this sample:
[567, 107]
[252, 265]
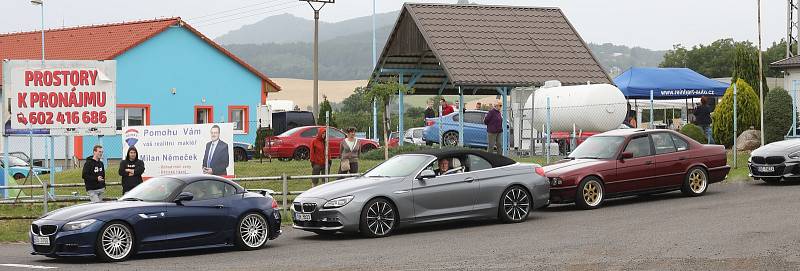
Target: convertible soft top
[495, 159]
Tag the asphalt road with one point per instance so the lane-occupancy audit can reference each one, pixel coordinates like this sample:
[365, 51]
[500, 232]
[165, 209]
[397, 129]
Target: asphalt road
[740, 226]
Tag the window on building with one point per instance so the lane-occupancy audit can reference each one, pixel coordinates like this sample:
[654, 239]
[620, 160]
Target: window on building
[128, 115]
[239, 116]
[203, 114]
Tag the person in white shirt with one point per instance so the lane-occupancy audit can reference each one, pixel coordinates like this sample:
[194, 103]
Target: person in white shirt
[349, 151]
[215, 158]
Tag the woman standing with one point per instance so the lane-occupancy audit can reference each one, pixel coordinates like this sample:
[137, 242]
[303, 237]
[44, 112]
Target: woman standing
[131, 169]
[349, 150]
[317, 156]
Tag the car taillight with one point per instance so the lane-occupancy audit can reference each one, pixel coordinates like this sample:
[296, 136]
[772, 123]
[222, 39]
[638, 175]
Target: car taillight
[274, 141]
[274, 204]
[540, 171]
[429, 122]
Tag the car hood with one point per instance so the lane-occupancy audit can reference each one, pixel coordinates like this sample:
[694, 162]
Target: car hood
[565, 167]
[779, 148]
[345, 187]
[87, 209]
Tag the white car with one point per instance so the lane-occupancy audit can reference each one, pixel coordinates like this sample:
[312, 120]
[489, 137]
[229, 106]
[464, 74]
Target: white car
[414, 136]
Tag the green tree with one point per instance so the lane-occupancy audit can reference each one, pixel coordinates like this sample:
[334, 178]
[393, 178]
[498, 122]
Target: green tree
[746, 67]
[714, 60]
[325, 106]
[695, 132]
[747, 113]
[383, 91]
[777, 115]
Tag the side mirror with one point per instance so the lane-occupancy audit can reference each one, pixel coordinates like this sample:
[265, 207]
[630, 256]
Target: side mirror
[427, 174]
[184, 196]
[626, 155]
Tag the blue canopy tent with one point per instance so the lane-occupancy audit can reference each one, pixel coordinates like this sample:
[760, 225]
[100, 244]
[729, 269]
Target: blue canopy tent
[667, 83]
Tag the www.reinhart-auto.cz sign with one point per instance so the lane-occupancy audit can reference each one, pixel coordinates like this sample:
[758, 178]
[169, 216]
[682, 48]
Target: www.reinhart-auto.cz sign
[75, 97]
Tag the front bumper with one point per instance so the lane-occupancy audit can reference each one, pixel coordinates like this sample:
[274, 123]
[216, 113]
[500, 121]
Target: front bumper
[565, 194]
[789, 169]
[345, 218]
[69, 243]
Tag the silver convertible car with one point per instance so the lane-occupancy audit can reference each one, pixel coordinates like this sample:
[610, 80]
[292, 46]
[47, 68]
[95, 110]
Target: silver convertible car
[776, 161]
[422, 187]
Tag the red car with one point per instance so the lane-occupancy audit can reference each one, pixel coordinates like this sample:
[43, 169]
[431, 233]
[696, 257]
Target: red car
[295, 143]
[634, 161]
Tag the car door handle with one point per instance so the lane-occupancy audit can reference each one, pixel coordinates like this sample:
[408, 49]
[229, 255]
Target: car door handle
[469, 180]
[219, 206]
[648, 162]
[682, 158]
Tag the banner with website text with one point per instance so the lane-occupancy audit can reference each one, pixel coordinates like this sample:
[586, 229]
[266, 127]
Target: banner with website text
[182, 149]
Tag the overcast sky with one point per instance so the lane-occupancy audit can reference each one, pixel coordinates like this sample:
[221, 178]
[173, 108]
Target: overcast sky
[654, 24]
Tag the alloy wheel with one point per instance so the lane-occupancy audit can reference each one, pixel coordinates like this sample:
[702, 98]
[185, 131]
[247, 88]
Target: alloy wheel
[253, 230]
[117, 241]
[592, 193]
[301, 153]
[450, 139]
[380, 218]
[697, 181]
[516, 204]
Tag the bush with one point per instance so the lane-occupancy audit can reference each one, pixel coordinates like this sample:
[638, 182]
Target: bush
[747, 113]
[777, 115]
[694, 132]
[261, 135]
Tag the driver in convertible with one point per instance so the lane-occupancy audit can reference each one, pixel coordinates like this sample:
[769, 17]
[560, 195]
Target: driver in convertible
[444, 166]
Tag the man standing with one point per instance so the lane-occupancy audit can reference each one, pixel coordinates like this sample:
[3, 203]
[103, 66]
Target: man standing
[494, 126]
[446, 108]
[94, 175]
[429, 112]
[478, 106]
[702, 115]
[215, 160]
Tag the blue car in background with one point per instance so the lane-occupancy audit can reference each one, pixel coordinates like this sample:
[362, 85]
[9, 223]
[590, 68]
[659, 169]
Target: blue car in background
[475, 134]
[19, 168]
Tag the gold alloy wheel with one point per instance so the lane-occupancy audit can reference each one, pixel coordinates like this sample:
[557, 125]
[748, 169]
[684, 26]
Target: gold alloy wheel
[697, 181]
[592, 193]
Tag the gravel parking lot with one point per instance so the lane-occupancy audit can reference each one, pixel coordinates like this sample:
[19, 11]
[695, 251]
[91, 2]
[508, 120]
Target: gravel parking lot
[736, 226]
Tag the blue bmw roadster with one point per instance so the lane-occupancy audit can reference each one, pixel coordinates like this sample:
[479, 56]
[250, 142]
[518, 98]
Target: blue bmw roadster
[162, 214]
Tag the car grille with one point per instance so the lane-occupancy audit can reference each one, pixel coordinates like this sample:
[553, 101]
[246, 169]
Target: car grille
[768, 160]
[43, 249]
[44, 230]
[318, 224]
[35, 228]
[308, 207]
[777, 173]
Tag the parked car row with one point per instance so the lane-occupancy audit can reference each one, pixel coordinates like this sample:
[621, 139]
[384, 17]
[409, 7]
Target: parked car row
[296, 143]
[434, 185]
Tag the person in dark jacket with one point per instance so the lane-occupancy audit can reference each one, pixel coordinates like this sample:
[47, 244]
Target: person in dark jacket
[494, 128]
[216, 158]
[702, 115]
[131, 169]
[94, 175]
[429, 112]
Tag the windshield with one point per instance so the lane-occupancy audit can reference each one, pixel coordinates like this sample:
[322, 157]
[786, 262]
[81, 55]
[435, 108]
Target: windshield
[598, 147]
[291, 131]
[14, 161]
[157, 189]
[400, 166]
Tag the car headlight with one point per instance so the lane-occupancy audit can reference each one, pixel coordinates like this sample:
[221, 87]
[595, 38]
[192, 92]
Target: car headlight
[78, 225]
[338, 202]
[556, 181]
[795, 155]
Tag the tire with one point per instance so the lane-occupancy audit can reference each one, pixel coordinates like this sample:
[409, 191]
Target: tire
[771, 180]
[367, 148]
[378, 218]
[115, 242]
[428, 143]
[695, 183]
[301, 153]
[450, 138]
[252, 231]
[18, 176]
[239, 155]
[515, 205]
[590, 193]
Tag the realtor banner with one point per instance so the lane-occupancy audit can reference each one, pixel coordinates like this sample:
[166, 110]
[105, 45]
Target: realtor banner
[73, 97]
[182, 149]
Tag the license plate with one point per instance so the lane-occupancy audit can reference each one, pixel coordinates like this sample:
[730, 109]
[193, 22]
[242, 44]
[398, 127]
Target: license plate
[766, 169]
[302, 217]
[41, 240]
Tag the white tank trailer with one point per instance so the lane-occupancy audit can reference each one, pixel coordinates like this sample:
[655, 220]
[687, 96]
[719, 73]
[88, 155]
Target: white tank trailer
[595, 108]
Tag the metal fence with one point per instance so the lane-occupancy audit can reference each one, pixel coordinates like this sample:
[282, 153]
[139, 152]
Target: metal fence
[28, 159]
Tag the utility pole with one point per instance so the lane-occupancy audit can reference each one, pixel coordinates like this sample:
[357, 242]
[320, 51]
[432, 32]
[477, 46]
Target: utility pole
[791, 28]
[760, 75]
[316, 50]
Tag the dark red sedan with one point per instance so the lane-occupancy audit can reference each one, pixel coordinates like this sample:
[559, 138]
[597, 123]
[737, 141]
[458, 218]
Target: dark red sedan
[295, 143]
[634, 161]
